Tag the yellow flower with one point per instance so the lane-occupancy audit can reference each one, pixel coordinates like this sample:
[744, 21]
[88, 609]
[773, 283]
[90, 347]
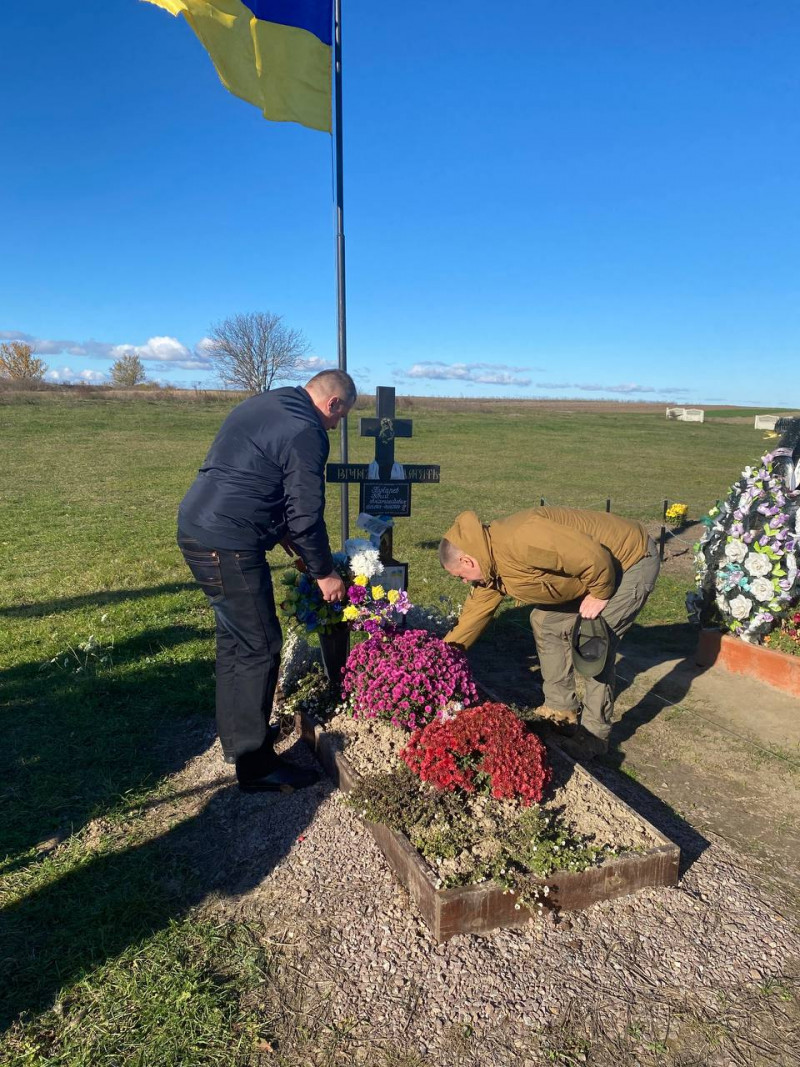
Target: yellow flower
[392, 596]
[676, 514]
[360, 579]
[350, 613]
[377, 592]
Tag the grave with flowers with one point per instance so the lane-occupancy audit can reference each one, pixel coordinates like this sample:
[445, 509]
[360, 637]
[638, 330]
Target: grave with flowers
[481, 821]
[748, 580]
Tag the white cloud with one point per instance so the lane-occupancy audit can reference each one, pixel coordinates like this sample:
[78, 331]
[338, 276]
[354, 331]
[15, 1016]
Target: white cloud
[156, 350]
[203, 347]
[67, 374]
[483, 373]
[626, 388]
[314, 364]
[500, 378]
[60, 374]
[44, 346]
[362, 376]
[15, 335]
[167, 350]
[162, 349]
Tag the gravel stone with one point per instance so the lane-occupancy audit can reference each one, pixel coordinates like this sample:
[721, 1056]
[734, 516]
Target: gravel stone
[364, 943]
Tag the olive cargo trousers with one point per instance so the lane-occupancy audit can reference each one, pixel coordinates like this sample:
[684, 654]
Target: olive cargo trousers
[552, 631]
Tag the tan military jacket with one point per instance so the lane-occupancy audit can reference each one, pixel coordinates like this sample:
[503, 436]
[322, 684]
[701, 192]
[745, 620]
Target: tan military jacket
[547, 555]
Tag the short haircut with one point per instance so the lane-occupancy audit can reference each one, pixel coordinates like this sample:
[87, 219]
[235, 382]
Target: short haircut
[328, 382]
[448, 553]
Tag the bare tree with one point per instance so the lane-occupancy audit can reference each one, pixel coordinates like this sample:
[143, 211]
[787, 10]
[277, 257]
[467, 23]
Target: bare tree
[253, 351]
[18, 363]
[127, 371]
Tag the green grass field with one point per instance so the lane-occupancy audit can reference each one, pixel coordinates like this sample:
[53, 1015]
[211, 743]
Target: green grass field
[106, 684]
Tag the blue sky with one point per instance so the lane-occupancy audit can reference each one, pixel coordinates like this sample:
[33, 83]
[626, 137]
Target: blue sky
[576, 199]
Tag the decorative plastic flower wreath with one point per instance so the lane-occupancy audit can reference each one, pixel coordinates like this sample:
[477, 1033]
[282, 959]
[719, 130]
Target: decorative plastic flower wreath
[747, 560]
[482, 749]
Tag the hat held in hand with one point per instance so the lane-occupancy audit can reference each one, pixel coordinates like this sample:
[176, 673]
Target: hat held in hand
[591, 643]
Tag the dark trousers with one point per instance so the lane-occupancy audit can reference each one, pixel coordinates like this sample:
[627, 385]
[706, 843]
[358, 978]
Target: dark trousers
[239, 589]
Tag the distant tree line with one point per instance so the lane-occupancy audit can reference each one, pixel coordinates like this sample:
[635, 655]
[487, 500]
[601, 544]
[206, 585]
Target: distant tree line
[253, 351]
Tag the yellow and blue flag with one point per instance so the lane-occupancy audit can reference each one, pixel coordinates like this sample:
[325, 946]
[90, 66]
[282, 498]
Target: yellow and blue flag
[275, 54]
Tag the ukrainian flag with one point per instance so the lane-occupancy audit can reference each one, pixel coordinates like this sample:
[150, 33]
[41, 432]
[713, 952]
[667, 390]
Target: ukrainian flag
[275, 54]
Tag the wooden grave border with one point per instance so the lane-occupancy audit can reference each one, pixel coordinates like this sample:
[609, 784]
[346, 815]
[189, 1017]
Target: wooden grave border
[478, 909]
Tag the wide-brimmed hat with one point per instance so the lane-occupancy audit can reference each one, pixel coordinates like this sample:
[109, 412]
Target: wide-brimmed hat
[591, 643]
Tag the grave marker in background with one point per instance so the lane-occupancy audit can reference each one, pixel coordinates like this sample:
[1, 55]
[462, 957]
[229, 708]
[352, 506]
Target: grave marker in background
[686, 414]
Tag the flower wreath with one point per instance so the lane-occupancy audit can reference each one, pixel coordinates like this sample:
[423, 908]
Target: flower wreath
[747, 559]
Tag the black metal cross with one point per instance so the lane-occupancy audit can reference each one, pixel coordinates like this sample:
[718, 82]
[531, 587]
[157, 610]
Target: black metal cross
[384, 495]
[384, 428]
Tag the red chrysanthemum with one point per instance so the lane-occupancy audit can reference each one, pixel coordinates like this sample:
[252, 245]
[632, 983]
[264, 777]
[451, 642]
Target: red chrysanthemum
[487, 741]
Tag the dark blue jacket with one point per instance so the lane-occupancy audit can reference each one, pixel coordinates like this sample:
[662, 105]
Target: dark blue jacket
[264, 479]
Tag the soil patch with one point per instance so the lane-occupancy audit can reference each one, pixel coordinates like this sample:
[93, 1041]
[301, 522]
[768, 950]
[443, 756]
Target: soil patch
[678, 548]
[373, 746]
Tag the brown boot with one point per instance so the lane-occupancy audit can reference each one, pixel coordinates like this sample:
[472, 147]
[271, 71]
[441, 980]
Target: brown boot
[584, 746]
[563, 721]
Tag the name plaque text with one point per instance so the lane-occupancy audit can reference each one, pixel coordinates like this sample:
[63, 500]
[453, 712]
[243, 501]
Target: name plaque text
[385, 498]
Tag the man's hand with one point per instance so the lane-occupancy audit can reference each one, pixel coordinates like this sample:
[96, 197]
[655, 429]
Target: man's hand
[332, 587]
[591, 606]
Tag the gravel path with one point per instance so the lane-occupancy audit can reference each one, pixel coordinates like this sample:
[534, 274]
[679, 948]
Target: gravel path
[306, 866]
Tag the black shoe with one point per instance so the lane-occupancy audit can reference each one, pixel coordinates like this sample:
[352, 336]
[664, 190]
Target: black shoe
[253, 762]
[280, 777]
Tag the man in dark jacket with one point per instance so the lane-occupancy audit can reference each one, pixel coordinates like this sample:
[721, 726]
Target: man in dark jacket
[262, 484]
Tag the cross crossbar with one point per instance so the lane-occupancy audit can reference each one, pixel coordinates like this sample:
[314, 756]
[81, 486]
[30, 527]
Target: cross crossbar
[386, 428]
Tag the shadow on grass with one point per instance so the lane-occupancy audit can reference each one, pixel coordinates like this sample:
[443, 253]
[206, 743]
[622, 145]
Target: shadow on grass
[112, 900]
[81, 746]
[102, 598]
[649, 646]
[74, 744]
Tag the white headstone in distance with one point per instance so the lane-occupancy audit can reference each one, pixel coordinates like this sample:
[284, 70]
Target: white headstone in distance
[766, 422]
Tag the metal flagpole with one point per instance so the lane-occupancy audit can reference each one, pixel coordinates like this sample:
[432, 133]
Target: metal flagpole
[341, 308]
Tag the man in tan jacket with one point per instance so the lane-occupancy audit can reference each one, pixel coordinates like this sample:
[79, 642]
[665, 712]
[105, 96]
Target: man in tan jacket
[568, 562]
